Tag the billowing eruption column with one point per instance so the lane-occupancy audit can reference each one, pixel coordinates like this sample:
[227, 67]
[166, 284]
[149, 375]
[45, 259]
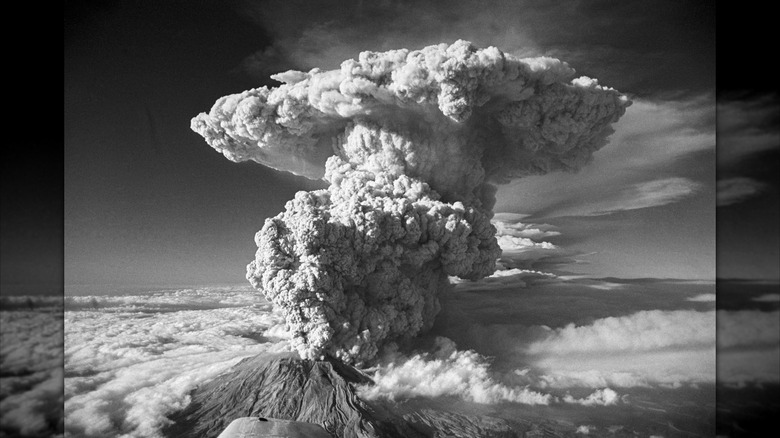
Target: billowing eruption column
[412, 143]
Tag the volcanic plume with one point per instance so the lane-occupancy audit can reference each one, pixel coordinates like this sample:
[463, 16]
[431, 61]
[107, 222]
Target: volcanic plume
[412, 144]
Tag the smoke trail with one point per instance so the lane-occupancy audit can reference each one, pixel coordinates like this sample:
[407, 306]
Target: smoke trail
[412, 144]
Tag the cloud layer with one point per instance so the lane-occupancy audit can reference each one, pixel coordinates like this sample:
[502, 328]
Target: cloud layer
[31, 361]
[131, 360]
[551, 346]
[641, 349]
[748, 347]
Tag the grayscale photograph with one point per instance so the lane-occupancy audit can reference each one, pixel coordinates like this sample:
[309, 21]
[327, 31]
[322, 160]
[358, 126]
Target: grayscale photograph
[396, 219]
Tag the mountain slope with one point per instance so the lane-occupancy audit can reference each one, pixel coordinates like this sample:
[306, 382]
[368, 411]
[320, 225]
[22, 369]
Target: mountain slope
[274, 386]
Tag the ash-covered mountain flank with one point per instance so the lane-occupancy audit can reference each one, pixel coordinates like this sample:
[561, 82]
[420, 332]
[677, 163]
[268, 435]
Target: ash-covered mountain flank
[319, 392]
[285, 387]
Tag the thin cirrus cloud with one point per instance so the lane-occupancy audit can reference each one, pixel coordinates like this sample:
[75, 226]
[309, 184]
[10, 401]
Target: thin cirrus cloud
[746, 127]
[636, 196]
[655, 193]
[735, 190]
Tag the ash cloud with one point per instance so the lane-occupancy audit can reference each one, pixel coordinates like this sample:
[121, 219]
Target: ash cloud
[412, 144]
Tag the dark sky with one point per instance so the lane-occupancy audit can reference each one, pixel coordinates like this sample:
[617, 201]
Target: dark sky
[748, 233]
[146, 201]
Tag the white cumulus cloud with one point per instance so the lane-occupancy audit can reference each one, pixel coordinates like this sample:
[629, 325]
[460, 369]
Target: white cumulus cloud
[583, 429]
[601, 397]
[446, 372]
